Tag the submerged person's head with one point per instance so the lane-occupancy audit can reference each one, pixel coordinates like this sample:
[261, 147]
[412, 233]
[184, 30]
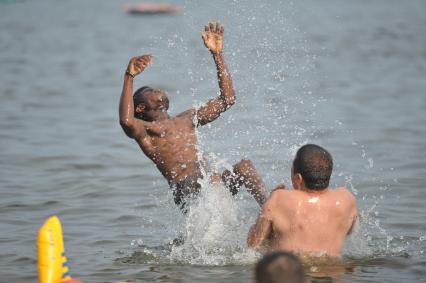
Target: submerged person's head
[312, 168]
[280, 267]
[149, 101]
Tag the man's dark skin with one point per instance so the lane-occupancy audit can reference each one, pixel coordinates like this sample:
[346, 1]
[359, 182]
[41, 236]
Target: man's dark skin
[170, 142]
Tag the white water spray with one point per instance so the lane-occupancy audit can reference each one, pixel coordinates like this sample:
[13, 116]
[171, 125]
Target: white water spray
[214, 230]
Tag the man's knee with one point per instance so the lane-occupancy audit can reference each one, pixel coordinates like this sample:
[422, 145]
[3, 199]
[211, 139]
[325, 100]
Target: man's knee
[243, 167]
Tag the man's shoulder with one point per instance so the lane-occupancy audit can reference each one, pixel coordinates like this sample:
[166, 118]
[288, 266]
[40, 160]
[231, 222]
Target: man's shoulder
[281, 197]
[345, 196]
[186, 117]
[344, 192]
[281, 193]
[188, 114]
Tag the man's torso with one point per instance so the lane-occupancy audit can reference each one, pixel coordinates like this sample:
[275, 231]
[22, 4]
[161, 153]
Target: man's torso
[313, 223]
[173, 148]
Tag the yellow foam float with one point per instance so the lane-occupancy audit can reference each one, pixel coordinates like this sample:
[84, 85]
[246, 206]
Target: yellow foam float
[52, 264]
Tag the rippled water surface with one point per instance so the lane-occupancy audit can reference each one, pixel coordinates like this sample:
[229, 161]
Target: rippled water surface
[347, 75]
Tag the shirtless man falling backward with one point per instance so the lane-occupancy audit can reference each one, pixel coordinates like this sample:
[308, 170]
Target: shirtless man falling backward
[170, 142]
[311, 219]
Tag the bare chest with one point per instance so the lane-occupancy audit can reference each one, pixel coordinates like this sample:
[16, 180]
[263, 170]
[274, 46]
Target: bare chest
[172, 134]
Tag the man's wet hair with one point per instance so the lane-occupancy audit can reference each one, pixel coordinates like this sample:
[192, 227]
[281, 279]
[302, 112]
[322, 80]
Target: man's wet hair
[137, 96]
[280, 267]
[315, 164]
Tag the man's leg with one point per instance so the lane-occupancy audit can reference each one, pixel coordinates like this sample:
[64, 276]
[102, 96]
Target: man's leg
[244, 173]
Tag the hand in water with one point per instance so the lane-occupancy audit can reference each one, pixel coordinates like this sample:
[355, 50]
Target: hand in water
[138, 64]
[213, 38]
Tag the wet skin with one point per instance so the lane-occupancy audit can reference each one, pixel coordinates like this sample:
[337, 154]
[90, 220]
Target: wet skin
[170, 142]
[304, 221]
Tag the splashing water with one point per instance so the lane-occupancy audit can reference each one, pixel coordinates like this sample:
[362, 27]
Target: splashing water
[214, 230]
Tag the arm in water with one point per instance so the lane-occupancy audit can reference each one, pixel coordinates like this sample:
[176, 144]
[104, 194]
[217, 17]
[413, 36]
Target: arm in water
[133, 127]
[261, 231]
[213, 40]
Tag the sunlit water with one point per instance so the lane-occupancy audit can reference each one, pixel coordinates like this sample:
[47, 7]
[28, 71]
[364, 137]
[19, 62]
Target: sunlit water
[348, 76]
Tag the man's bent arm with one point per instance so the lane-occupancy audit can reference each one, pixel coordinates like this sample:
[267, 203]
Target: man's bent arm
[132, 126]
[213, 40]
[227, 94]
[260, 231]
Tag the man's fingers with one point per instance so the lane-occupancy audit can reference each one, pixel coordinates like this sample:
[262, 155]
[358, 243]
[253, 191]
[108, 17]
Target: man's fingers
[143, 62]
[214, 27]
[143, 59]
[147, 56]
[147, 59]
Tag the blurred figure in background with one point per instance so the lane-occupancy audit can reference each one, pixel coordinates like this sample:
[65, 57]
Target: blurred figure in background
[279, 267]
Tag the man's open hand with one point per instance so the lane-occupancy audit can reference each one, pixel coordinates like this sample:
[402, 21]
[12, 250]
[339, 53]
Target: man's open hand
[138, 64]
[213, 37]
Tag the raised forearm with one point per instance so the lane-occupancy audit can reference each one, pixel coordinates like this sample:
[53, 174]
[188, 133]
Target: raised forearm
[127, 108]
[131, 126]
[225, 81]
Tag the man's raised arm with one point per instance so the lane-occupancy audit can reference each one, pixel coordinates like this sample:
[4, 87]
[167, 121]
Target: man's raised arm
[133, 127]
[213, 40]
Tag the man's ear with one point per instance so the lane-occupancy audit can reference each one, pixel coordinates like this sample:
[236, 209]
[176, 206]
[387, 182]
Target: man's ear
[297, 180]
[140, 108]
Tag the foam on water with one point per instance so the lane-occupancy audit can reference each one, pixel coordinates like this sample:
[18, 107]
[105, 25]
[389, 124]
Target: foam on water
[214, 230]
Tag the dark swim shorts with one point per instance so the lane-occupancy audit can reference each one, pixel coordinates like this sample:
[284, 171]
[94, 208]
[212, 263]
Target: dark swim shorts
[185, 189]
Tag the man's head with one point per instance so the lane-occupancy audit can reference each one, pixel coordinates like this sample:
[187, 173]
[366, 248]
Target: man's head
[280, 267]
[312, 167]
[149, 101]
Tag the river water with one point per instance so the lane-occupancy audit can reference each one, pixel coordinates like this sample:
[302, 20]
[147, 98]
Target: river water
[349, 76]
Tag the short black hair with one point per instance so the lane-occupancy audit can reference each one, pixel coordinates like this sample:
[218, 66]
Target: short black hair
[137, 96]
[280, 267]
[315, 164]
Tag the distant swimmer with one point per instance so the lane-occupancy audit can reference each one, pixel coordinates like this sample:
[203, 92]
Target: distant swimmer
[170, 142]
[311, 219]
[150, 9]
